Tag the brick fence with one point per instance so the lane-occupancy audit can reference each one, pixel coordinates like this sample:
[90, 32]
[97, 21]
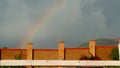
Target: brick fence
[61, 53]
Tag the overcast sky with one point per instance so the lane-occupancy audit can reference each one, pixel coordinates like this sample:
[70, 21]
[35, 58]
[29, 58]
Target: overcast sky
[75, 22]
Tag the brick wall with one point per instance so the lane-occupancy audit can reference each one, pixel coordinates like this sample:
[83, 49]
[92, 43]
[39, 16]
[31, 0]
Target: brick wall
[104, 51]
[45, 54]
[10, 54]
[53, 54]
[75, 53]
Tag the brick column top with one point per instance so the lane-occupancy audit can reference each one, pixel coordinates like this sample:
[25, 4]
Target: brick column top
[29, 43]
[61, 41]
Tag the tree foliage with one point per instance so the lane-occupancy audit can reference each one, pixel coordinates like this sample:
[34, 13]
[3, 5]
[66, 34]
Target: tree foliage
[91, 57]
[114, 54]
[84, 57]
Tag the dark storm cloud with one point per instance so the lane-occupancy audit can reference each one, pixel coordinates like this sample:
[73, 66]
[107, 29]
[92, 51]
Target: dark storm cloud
[75, 22]
[111, 10]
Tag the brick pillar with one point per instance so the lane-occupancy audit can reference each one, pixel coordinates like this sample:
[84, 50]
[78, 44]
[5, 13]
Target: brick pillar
[92, 47]
[61, 51]
[29, 53]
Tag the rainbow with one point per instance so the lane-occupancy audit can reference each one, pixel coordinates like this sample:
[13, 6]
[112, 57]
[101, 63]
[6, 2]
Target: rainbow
[45, 19]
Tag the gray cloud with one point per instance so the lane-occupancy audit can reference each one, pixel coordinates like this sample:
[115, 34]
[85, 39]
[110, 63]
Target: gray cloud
[75, 22]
